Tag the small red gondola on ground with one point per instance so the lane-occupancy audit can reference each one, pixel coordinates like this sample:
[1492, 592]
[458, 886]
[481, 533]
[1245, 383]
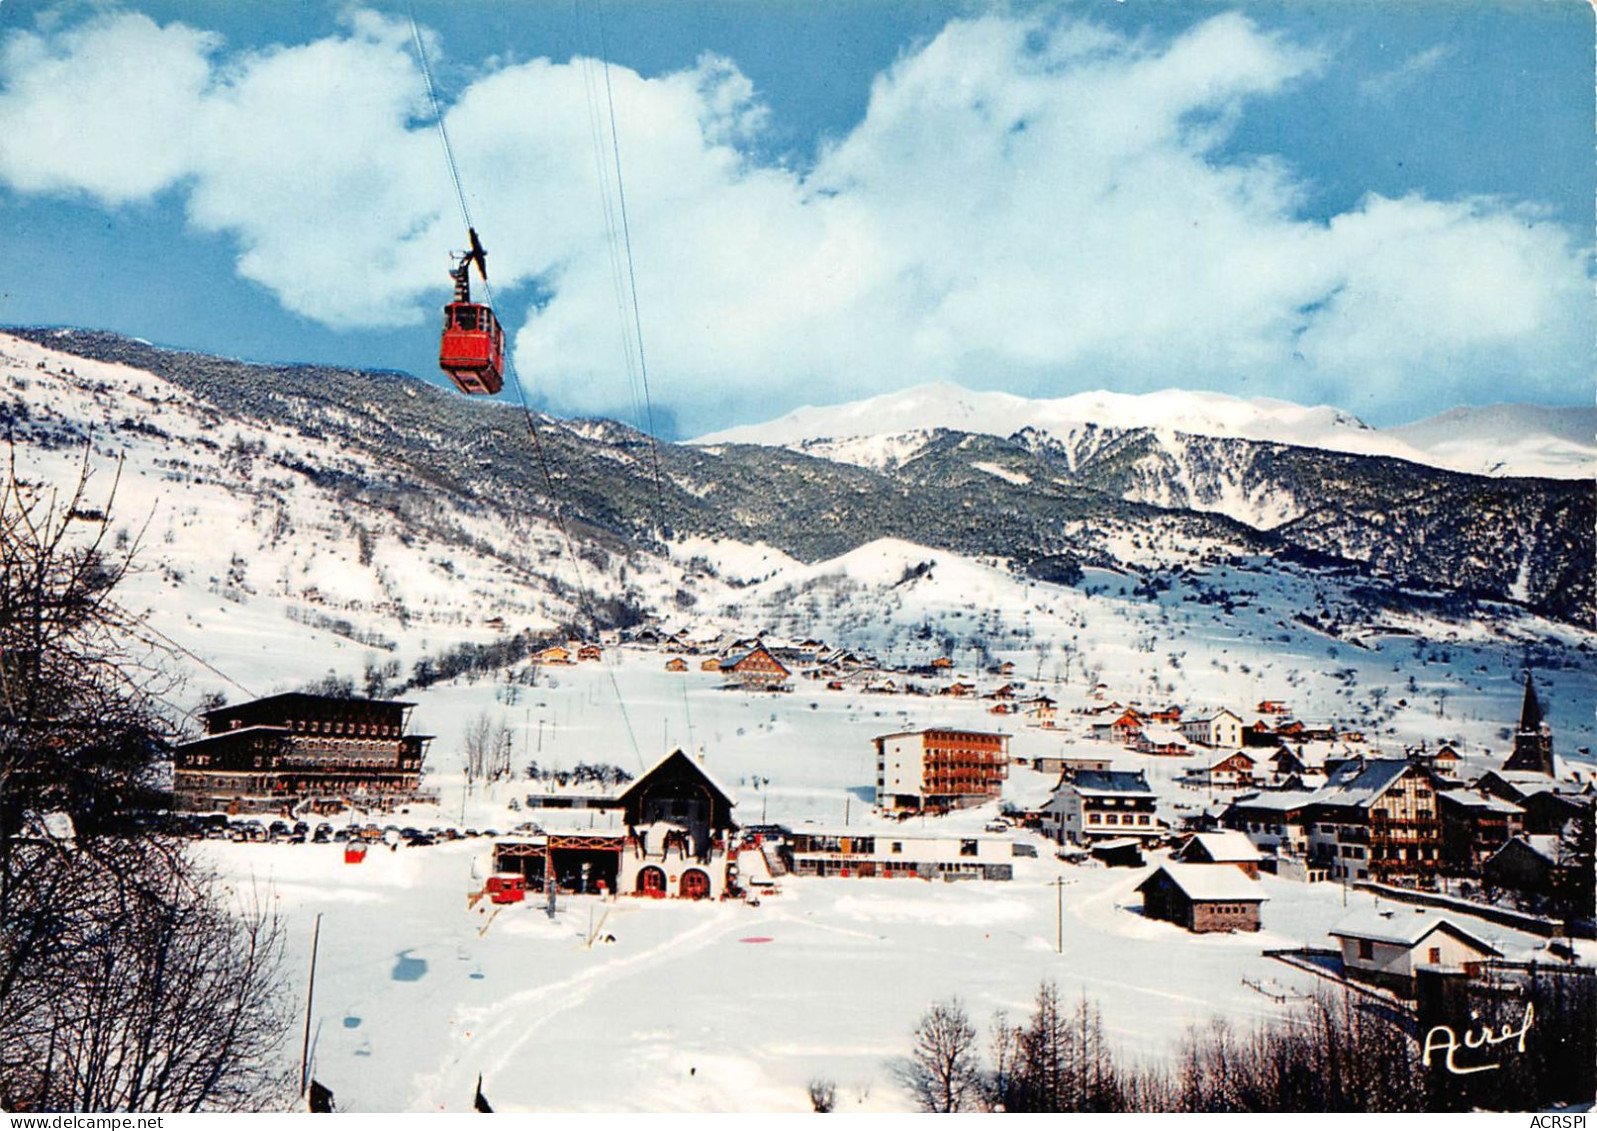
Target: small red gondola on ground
[473, 348]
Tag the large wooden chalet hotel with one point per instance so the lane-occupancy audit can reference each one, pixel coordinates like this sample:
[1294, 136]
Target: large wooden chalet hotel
[270, 754]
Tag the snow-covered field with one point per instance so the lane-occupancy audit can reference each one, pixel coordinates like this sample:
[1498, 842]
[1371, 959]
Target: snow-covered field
[724, 1007]
[417, 994]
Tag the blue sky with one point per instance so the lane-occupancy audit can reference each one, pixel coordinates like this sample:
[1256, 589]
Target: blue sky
[1386, 207]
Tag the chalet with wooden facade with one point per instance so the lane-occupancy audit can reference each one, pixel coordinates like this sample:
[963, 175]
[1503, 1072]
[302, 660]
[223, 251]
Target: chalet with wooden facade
[1377, 820]
[1229, 771]
[1372, 819]
[756, 670]
[939, 769]
[1202, 898]
[269, 755]
[677, 840]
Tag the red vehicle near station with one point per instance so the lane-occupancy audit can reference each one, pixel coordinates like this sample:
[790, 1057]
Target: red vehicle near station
[507, 887]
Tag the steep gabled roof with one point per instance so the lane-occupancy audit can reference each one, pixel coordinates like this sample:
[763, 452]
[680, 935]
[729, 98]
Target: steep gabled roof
[1223, 847]
[1407, 927]
[693, 764]
[1208, 883]
[732, 663]
[1358, 784]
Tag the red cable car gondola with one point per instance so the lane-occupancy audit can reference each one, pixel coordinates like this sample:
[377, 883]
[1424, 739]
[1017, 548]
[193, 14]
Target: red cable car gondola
[473, 348]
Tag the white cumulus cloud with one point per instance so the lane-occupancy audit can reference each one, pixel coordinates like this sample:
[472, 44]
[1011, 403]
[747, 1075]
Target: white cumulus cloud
[1031, 203]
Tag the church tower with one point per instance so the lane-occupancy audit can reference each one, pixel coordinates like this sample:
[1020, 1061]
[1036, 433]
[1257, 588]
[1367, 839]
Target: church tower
[1533, 741]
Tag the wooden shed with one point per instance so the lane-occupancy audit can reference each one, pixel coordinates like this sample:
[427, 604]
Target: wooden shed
[1202, 898]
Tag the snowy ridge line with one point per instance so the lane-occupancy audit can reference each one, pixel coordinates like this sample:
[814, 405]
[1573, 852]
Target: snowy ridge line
[884, 431]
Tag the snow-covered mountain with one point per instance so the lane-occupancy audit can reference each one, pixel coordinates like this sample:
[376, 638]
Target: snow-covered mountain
[289, 523]
[884, 431]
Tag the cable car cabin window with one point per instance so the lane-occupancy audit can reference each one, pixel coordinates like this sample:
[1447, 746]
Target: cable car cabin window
[466, 318]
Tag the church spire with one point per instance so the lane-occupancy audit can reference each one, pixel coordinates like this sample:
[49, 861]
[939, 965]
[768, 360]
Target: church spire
[1530, 715]
[1533, 741]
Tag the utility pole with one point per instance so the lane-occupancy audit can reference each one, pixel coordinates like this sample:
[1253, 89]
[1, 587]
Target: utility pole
[310, 998]
[1059, 929]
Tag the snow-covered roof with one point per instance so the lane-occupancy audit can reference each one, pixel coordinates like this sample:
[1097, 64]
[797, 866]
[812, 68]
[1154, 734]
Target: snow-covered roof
[1219, 760]
[694, 762]
[1162, 735]
[1225, 847]
[1544, 845]
[1204, 883]
[1470, 800]
[1277, 800]
[1359, 784]
[1107, 782]
[1406, 926]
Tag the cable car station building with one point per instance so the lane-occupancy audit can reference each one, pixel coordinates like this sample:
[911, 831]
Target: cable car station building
[676, 842]
[271, 754]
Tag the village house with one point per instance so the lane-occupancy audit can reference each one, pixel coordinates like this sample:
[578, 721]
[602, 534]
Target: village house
[1444, 761]
[1385, 947]
[588, 653]
[1043, 709]
[1161, 739]
[939, 769]
[554, 654]
[677, 664]
[1529, 864]
[272, 754]
[1099, 804]
[1373, 819]
[1122, 728]
[1222, 730]
[1550, 811]
[1376, 819]
[1474, 826]
[1275, 822]
[1286, 767]
[756, 670]
[853, 852]
[1202, 898]
[1228, 771]
[1228, 847]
